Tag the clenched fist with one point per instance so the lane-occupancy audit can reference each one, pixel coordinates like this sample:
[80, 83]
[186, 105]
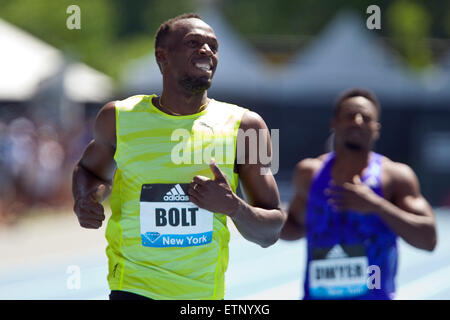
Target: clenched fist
[88, 207]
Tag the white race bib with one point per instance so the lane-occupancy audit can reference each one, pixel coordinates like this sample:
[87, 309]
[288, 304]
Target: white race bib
[339, 273]
[169, 219]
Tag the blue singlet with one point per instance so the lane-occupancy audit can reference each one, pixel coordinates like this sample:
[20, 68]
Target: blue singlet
[350, 255]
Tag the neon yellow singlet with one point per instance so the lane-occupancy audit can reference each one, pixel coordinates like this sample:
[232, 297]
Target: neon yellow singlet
[160, 245]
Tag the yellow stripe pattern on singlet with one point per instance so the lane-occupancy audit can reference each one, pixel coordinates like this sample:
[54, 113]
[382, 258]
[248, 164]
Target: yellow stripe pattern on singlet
[152, 148]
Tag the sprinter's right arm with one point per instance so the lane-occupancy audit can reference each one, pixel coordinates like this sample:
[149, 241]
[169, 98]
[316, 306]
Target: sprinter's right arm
[93, 174]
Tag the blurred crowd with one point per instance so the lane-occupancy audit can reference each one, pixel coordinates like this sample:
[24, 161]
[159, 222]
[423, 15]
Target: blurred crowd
[36, 163]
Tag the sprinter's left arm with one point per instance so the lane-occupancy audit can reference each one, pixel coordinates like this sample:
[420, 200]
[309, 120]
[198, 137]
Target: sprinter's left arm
[261, 219]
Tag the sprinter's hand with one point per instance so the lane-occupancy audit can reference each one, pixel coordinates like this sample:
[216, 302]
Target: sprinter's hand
[213, 195]
[355, 196]
[89, 209]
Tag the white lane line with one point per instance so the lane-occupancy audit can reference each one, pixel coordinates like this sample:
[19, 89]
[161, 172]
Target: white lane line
[422, 288]
[52, 284]
[288, 291]
[426, 286]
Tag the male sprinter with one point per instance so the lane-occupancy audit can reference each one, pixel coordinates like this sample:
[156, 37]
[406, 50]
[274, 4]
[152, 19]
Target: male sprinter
[167, 236]
[352, 204]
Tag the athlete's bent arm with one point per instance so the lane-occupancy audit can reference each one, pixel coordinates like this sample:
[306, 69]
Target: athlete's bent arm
[261, 219]
[295, 227]
[93, 174]
[410, 215]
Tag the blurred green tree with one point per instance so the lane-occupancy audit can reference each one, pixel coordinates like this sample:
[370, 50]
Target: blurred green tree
[410, 25]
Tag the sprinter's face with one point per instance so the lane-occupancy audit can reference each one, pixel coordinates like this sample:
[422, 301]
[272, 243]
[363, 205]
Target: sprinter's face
[356, 124]
[191, 55]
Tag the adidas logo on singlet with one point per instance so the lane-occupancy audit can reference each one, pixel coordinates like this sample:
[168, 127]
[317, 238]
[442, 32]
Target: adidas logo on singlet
[336, 252]
[176, 194]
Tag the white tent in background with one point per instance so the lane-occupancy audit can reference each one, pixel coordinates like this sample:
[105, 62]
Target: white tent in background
[27, 63]
[240, 72]
[24, 62]
[85, 84]
[346, 54]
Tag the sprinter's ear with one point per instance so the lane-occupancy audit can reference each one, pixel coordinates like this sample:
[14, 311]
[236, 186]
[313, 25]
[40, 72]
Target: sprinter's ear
[161, 58]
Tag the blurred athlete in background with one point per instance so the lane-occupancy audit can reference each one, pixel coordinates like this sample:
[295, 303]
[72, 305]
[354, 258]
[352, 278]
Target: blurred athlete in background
[352, 204]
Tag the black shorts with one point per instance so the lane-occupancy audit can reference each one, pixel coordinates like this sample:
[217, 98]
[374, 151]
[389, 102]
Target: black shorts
[124, 295]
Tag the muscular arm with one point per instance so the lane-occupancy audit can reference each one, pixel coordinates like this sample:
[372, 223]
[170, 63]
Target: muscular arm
[295, 227]
[93, 174]
[406, 211]
[409, 214]
[261, 219]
